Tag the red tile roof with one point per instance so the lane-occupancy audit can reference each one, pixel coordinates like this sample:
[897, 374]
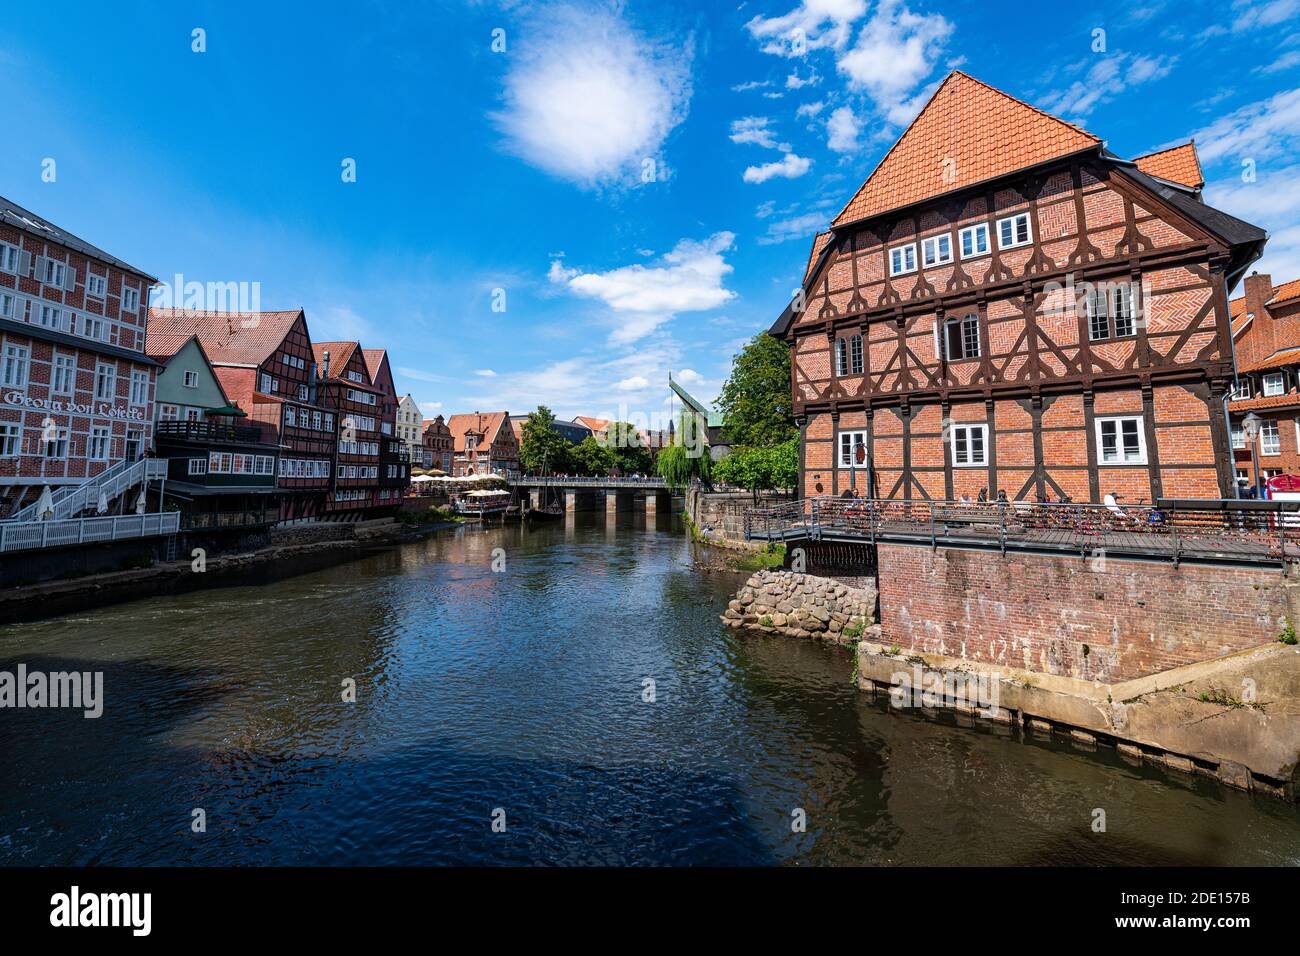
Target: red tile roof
[229, 338]
[1180, 164]
[487, 424]
[340, 355]
[1284, 292]
[595, 424]
[161, 346]
[1273, 401]
[1287, 356]
[374, 361]
[819, 243]
[985, 133]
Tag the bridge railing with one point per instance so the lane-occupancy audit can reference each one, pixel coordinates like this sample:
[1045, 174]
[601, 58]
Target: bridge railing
[552, 481]
[1251, 531]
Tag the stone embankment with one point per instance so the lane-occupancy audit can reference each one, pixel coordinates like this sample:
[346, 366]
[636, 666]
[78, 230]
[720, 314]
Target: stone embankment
[803, 605]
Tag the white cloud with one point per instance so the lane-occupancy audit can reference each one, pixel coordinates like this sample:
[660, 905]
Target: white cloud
[1105, 80]
[642, 298]
[755, 130]
[484, 372]
[419, 374]
[430, 408]
[809, 109]
[795, 227]
[688, 376]
[812, 25]
[790, 166]
[1262, 130]
[1272, 202]
[842, 128]
[751, 85]
[1285, 62]
[1255, 14]
[895, 51]
[796, 82]
[635, 383]
[587, 99]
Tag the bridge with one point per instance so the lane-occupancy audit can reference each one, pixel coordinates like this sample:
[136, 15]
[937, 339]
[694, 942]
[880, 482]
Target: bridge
[1249, 533]
[579, 494]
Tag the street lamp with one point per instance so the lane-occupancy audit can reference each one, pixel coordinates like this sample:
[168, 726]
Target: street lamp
[1250, 428]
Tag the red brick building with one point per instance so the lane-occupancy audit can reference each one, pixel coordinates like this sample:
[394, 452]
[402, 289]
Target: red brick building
[1266, 338]
[1007, 306]
[439, 449]
[76, 388]
[394, 455]
[344, 387]
[483, 443]
[266, 366]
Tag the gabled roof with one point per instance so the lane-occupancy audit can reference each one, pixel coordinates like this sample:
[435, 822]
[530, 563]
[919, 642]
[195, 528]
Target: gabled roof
[162, 348]
[986, 134]
[1284, 293]
[1179, 164]
[340, 354]
[375, 359]
[15, 215]
[1280, 359]
[595, 424]
[487, 424]
[228, 338]
[819, 243]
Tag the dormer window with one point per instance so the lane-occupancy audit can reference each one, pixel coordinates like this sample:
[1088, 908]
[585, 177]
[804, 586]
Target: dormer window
[1241, 390]
[1274, 384]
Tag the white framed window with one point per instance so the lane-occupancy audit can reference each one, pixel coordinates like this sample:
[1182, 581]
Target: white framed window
[1110, 311]
[55, 273]
[198, 466]
[1121, 303]
[97, 444]
[11, 440]
[11, 257]
[1240, 390]
[1239, 435]
[974, 241]
[1120, 440]
[130, 298]
[96, 285]
[1270, 438]
[290, 416]
[9, 305]
[265, 383]
[191, 379]
[962, 337]
[848, 355]
[902, 259]
[105, 382]
[302, 393]
[17, 362]
[191, 414]
[139, 388]
[936, 250]
[93, 328]
[64, 373]
[1273, 384]
[853, 449]
[52, 317]
[168, 412]
[970, 445]
[56, 443]
[1014, 231]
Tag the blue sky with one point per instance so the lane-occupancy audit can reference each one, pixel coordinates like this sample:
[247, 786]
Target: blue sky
[641, 180]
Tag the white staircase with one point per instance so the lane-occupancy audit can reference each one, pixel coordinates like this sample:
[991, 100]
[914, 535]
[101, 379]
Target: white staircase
[71, 500]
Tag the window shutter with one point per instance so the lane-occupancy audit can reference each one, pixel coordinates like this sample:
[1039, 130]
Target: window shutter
[40, 269]
[938, 338]
[70, 278]
[24, 263]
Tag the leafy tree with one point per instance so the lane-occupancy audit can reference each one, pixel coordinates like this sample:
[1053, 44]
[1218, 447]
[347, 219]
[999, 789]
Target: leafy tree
[688, 457]
[541, 447]
[623, 441]
[761, 469]
[591, 458]
[756, 400]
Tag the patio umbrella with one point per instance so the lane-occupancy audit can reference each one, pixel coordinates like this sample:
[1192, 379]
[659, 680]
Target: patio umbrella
[45, 505]
[140, 503]
[102, 507]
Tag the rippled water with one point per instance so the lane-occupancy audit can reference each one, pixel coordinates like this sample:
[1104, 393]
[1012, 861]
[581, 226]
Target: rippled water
[522, 690]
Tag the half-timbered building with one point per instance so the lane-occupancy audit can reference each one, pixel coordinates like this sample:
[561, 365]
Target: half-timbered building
[1006, 306]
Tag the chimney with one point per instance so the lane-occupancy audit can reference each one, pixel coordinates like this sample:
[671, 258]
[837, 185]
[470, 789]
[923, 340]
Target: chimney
[325, 364]
[1261, 339]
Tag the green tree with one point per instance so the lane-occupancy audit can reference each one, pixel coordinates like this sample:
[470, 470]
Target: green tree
[541, 448]
[688, 457]
[756, 398]
[623, 440]
[761, 469]
[591, 458]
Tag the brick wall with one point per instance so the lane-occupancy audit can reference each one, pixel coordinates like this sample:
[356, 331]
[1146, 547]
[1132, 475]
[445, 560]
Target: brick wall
[1102, 620]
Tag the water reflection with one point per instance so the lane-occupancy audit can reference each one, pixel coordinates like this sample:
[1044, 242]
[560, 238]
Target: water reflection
[523, 690]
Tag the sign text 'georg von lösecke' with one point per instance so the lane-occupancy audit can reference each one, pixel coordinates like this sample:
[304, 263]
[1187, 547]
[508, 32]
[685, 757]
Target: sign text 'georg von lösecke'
[100, 409]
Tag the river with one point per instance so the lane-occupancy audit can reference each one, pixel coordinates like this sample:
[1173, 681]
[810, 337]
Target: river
[519, 695]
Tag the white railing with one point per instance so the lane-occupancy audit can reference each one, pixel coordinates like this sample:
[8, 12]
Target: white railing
[71, 500]
[29, 535]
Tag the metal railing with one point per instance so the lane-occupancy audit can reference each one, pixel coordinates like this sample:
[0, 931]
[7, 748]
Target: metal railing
[70, 500]
[230, 519]
[30, 535]
[212, 431]
[552, 481]
[1252, 532]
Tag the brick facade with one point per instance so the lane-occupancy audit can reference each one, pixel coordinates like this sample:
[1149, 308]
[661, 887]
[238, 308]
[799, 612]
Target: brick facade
[1106, 620]
[76, 388]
